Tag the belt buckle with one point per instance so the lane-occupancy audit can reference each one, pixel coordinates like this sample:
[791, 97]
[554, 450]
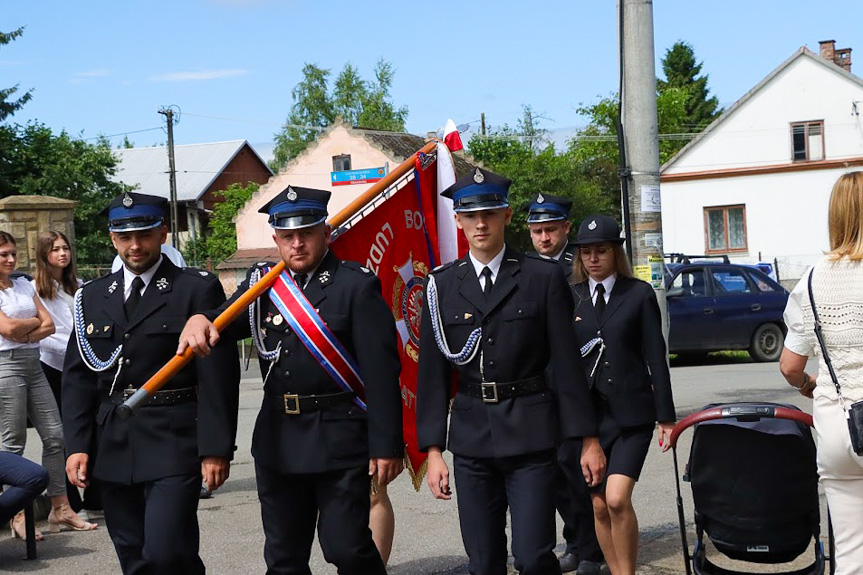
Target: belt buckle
[489, 392]
[295, 410]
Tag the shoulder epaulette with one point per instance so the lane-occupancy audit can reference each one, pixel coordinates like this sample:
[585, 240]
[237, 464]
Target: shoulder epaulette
[352, 265]
[442, 267]
[198, 272]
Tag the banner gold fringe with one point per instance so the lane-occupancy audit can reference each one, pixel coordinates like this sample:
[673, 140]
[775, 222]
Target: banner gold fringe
[417, 476]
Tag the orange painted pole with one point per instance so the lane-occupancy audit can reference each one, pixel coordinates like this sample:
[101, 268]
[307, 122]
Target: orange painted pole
[170, 369]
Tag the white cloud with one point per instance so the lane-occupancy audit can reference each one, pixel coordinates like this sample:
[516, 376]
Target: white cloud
[98, 73]
[201, 75]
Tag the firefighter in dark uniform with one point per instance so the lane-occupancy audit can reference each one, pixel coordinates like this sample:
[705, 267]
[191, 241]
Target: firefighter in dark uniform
[315, 444]
[548, 223]
[498, 319]
[150, 466]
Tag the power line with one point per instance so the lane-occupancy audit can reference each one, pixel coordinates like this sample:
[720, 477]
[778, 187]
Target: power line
[123, 134]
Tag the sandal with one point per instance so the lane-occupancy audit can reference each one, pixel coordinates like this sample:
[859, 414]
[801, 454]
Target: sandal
[19, 530]
[57, 521]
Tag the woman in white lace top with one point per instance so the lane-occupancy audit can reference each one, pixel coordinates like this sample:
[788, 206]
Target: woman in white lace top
[837, 286]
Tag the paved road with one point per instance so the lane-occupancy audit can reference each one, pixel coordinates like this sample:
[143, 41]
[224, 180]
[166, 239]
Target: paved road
[427, 533]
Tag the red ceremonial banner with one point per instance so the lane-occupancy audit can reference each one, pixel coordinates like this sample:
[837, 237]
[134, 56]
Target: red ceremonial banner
[398, 242]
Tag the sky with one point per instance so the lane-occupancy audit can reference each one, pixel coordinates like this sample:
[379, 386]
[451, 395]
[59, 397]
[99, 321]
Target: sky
[105, 67]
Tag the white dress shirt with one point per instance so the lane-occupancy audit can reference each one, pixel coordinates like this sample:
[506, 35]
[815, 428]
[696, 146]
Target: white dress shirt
[493, 265]
[607, 283]
[146, 277]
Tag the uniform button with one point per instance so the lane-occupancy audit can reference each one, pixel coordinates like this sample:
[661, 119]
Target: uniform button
[286, 352]
[287, 374]
[164, 326]
[490, 341]
[606, 364]
[127, 362]
[127, 337]
[519, 312]
[491, 364]
[610, 380]
[455, 317]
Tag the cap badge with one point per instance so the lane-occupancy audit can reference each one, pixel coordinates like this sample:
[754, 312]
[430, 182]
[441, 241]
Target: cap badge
[478, 177]
[592, 225]
[540, 199]
[162, 283]
[278, 319]
[127, 200]
[112, 287]
[292, 195]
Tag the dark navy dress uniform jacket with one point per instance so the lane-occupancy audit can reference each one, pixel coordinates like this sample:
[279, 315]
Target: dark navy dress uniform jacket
[527, 327]
[633, 367]
[158, 441]
[348, 298]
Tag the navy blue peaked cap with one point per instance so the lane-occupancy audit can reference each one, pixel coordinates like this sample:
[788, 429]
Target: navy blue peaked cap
[294, 208]
[479, 190]
[598, 228]
[547, 208]
[131, 211]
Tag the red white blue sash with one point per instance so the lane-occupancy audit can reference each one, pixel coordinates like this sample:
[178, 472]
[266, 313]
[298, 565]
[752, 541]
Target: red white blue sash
[317, 337]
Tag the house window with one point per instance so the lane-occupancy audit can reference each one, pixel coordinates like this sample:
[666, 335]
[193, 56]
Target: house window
[807, 141]
[725, 229]
[342, 163]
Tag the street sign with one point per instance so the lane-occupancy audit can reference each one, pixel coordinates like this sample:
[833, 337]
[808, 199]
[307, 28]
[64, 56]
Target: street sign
[352, 177]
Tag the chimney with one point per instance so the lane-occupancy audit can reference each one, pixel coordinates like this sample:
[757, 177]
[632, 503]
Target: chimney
[841, 57]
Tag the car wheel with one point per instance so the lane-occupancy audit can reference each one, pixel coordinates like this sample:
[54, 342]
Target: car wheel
[767, 342]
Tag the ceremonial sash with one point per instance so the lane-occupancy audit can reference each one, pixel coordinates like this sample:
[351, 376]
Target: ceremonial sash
[317, 337]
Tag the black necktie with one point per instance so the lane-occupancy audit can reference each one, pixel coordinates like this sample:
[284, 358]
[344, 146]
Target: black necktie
[134, 297]
[486, 273]
[599, 304]
[301, 280]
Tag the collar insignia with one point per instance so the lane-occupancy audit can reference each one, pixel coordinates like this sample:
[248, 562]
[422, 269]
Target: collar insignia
[106, 328]
[292, 195]
[577, 318]
[478, 177]
[324, 276]
[90, 329]
[112, 287]
[127, 200]
[592, 225]
[278, 319]
[162, 283]
[540, 199]
[468, 315]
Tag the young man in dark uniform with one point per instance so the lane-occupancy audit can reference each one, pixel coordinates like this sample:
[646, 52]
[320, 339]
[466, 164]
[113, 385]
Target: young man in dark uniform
[151, 465]
[499, 320]
[548, 223]
[317, 442]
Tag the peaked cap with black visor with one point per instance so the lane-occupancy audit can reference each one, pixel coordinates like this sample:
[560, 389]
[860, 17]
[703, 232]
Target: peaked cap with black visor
[295, 208]
[479, 190]
[133, 212]
[547, 208]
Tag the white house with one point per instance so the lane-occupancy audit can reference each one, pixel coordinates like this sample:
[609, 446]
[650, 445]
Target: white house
[755, 184]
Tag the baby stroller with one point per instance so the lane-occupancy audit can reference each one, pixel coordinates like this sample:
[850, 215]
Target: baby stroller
[754, 484]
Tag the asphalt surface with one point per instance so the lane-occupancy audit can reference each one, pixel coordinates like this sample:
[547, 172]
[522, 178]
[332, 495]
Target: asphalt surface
[427, 539]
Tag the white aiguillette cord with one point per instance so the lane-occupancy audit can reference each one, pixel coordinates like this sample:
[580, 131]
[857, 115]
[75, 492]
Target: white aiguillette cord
[589, 347]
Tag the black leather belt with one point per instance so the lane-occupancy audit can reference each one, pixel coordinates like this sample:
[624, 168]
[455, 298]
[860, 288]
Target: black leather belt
[492, 392]
[164, 397]
[294, 404]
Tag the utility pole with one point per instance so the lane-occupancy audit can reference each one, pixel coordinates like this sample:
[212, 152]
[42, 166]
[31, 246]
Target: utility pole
[482, 117]
[641, 146]
[172, 175]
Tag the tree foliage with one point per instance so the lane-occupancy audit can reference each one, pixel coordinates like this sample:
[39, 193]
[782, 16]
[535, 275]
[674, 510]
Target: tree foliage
[359, 102]
[35, 161]
[682, 71]
[7, 105]
[525, 156]
[221, 243]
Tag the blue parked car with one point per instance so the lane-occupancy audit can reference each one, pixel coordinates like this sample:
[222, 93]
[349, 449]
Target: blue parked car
[716, 305]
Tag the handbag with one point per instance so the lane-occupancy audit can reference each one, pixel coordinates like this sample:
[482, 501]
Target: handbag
[854, 414]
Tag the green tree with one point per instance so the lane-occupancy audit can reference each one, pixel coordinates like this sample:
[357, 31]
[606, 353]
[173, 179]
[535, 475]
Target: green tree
[682, 71]
[7, 105]
[359, 102]
[525, 156]
[39, 162]
[222, 240]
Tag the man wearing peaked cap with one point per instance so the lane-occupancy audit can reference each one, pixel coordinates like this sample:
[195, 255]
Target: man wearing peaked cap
[548, 223]
[500, 322]
[150, 466]
[318, 435]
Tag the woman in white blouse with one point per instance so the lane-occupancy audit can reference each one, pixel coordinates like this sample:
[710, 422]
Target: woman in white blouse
[837, 287]
[24, 391]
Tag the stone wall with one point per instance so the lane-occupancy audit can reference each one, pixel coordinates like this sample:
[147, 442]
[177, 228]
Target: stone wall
[25, 217]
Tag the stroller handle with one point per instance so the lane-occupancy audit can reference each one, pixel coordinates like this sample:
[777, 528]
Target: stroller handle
[750, 412]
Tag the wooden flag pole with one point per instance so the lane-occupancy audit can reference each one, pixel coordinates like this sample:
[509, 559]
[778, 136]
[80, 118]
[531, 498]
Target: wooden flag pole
[170, 369]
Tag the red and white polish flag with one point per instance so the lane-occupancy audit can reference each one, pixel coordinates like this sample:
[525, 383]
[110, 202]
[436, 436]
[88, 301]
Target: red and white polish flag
[451, 137]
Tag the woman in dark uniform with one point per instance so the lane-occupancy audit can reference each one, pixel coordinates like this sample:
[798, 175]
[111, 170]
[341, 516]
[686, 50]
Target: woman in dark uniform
[619, 329]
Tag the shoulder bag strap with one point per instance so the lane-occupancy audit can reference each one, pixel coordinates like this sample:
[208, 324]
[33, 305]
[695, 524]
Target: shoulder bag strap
[820, 337]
